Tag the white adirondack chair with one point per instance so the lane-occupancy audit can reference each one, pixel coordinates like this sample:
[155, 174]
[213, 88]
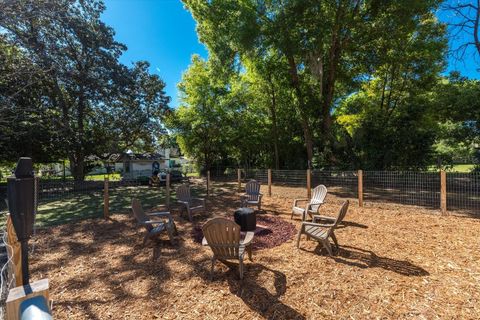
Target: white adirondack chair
[311, 208]
[252, 194]
[323, 232]
[190, 204]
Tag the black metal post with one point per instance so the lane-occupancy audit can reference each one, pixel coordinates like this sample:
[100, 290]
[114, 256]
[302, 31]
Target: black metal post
[25, 269]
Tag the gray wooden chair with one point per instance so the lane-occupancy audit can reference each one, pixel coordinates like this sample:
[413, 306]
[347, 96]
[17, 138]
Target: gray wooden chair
[161, 222]
[190, 204]
[311, 207]
[322, 232]
[252, 195]
[223, 237]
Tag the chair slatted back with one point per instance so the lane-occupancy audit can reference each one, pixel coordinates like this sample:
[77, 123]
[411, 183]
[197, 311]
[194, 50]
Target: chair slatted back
[252, 190]
[183, 193]
[140, 214]
[223, 237]
[341, 214]
[318, 196]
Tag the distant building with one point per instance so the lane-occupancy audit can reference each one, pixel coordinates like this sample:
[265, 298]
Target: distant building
[139, 164]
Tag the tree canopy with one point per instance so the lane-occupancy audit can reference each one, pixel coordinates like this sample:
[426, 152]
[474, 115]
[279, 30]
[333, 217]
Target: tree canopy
[337, 84]
[63, 88]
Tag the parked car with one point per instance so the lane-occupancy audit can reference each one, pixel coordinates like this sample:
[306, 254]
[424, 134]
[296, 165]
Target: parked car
[175, 176]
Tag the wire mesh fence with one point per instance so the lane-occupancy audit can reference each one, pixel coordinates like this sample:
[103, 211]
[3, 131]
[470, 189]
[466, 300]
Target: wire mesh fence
[297, 178]
[340, 183]
[463, 191]
[61, 201]
[403, 187]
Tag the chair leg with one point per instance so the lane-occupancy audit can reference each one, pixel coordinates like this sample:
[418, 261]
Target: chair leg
[334, 240]
[249, 251]
[298, 238]
[240, 266]
[175, 231]
[212, 268]
[145, 239]
[327, 246]
[189, 214]
[170, 235]
[291, 217]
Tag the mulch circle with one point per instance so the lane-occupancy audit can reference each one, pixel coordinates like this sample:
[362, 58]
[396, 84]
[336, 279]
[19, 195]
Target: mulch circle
[271, 232]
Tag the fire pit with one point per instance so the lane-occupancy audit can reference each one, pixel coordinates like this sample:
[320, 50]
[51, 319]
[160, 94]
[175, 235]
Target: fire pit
[246, 219]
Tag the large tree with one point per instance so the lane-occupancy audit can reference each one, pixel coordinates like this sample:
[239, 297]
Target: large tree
[98, 104]
[329, 47]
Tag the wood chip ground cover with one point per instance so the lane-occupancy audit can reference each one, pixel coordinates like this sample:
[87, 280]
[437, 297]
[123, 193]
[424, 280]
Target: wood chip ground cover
[395, 262]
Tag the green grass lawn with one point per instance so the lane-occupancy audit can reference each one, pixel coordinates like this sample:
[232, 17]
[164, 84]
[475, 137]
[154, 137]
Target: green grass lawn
[462, 168]
[101, 177]
[90, 205]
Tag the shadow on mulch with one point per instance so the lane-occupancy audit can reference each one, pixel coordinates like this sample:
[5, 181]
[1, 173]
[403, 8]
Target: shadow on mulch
[274, 231]
[368, 259]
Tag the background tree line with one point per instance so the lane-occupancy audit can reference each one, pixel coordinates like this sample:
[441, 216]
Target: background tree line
[330, 84]
[63, 92]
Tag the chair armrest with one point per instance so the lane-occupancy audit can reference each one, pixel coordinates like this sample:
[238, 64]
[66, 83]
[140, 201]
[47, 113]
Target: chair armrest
[320, 217]
[248, 238]
[184, 202]
[151, 222]
[159, 214]
[204, 242]
[298, 200]
[314, 224]
[199, 199]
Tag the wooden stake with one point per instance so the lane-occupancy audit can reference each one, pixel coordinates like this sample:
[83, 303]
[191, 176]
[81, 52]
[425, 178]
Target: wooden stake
[360, 188]
[208, 183]
[167, 190]
[269, 182]
[14, 251]
[443, 192]
[106, 199]
[239, 177]
[309, 183]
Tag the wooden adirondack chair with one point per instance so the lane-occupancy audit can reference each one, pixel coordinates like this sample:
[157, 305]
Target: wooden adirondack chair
[312, 206]
[154, 227]
[252, 195]
[191, 205]
[322, 232]
[223, 237]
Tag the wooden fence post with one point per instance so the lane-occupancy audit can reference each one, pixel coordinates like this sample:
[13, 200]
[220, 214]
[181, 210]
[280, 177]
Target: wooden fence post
[208, 183]
[167, 190]
[239, 178]
[443, 192]
[269, 174]
[360, 188]
[309, 183]
[14, 252]
[106, 199]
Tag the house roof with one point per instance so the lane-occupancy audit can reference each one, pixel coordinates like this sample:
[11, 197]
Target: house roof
[120, 157]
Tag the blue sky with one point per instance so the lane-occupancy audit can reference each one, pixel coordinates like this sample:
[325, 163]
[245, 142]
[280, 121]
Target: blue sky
[163, 33]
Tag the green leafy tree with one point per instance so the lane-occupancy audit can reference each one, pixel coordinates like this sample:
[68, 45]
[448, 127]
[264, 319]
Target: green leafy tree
[97, 104]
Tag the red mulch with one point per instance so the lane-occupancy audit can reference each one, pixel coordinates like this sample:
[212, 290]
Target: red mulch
[271, 232]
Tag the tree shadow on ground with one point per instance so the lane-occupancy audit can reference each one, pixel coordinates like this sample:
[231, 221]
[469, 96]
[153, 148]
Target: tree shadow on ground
[257, 297]
[368, 259]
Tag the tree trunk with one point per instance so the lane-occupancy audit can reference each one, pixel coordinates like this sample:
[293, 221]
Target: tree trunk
[304, 118]
[273, 111]
[77, 166]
